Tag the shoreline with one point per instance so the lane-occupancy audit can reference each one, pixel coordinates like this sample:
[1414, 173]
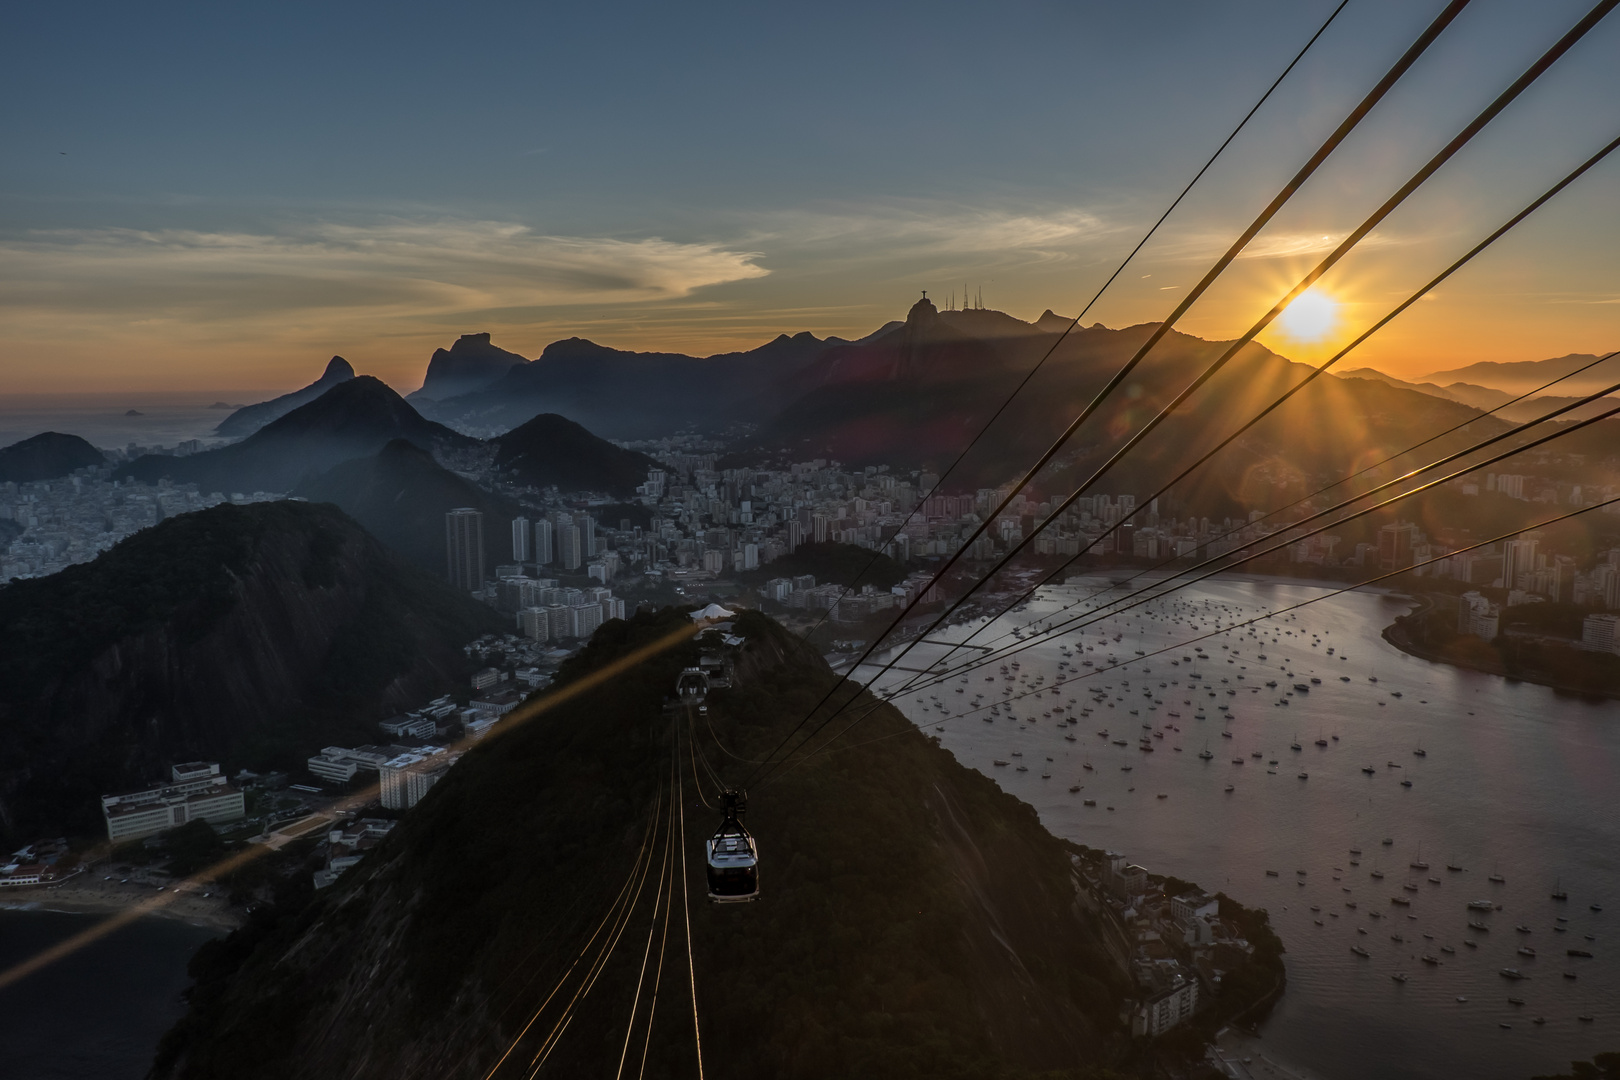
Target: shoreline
[1395, 634]
[1244, 1055]
[82, 897]
[1254, 577]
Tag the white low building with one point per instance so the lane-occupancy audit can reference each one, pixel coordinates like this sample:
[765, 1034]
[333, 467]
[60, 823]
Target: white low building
[1478, 616]
[197, 790]
[19, 874]
[410, 725]
[339, 765]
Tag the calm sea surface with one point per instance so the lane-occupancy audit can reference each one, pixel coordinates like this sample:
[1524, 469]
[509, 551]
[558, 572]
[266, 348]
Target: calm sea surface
[165, 418]
[1515, 779]
[97, 1014]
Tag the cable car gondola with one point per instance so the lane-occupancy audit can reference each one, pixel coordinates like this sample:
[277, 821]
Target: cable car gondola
[732, 854]
[692, 685]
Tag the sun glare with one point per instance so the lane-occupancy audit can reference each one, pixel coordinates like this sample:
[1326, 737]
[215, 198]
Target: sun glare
[1311, 317]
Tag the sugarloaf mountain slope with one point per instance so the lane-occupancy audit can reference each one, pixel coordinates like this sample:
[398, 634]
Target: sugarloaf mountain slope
[914, 919]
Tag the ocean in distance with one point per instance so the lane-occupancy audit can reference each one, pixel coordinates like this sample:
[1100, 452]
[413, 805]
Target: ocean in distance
[102, 419]
[97, 1014]
[1514, 779]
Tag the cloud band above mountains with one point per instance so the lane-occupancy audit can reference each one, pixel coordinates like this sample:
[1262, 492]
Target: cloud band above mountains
[386, 269]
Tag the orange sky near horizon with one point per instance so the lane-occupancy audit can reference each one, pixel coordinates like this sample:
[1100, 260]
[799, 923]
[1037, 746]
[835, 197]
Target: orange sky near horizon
[230, 224]
[1452, 328]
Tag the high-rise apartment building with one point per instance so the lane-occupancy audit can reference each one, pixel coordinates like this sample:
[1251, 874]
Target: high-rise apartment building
[587, 534]
[1395, 545]
[569, 555]
[1518, 560]
[1601, 633]
[464, 548]
[544, 554]
[406, 778]
[522, 551]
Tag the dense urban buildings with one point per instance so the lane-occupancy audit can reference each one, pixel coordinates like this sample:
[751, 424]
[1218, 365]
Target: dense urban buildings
[49, 525]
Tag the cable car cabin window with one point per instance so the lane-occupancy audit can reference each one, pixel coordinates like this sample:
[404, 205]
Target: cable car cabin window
[733, 884]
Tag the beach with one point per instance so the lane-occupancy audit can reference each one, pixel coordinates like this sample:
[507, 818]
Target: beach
[92, 894]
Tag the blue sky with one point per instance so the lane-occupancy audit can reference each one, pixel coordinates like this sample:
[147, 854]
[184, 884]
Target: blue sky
[224, 195]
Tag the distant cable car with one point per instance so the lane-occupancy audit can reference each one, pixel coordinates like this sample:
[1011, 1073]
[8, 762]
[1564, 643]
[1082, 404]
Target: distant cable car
[692, 685]
[733, 855]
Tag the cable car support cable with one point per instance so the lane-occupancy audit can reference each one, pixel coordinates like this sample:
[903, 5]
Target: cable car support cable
[1075, 322]
[1356, 115]
[1309, 378]
[1517, 87]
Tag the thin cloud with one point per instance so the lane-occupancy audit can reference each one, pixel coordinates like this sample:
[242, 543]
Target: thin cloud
[924, 229]
[422, 268]
[1283, 245]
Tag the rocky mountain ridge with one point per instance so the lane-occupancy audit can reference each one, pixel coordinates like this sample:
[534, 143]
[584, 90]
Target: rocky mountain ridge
[354, 418]
[250, 418]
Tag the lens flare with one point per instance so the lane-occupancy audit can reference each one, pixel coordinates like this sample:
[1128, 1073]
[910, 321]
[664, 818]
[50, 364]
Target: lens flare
[1311, 317]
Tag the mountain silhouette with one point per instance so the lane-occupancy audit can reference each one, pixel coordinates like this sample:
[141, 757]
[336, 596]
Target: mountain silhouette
[355, 418]
[400, 494]
[472, 363]
[1480, 397]
[46, 456]
[1516, 378]
[250, 418]
[634, 394]
[553, 450]
[914, 397]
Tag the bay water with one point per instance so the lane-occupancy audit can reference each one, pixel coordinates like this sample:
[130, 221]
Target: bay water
[1503, 778]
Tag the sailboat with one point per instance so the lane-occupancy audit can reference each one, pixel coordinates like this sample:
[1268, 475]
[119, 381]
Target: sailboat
[1558, 892]
[1205, 753]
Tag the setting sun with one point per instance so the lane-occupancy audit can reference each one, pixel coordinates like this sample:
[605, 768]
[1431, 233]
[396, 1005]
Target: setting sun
[1311, 317]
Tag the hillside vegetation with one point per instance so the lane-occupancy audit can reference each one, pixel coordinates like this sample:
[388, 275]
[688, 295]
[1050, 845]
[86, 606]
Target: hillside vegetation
[401, 495]
[46, 456]
[842, 564]
[248, 634]
[353, 418]
[553, 450]
[915, 920]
